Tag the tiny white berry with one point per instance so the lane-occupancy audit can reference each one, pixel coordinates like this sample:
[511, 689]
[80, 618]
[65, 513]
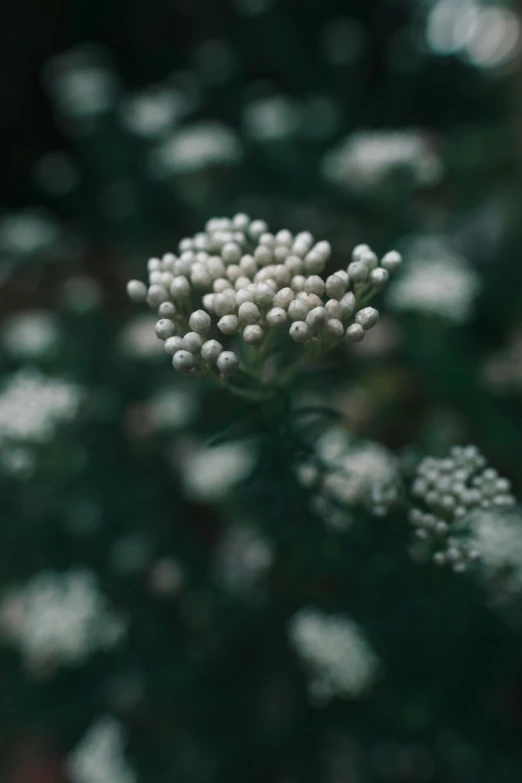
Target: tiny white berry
[136, 290]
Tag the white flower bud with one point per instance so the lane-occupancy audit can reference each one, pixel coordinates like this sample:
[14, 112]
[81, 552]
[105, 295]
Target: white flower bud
[334, 328]
[264, 295]
[166, 310]
[324, 249]
[156, 295]
[348, 305]
[166, 279]
[253, 334]
[281, 253]
[173, 344]
[299, 332]
[136, 290]
[233, 272]
[314, 301]
[223, 304]
[334, 309]
[242, 282]
[284, 237]
[392, 261]
[241, 221]
[257, 228]
[227, 362]
[244, 295]
[295, 265]
[208, 302]
[180, 288]
[186, 244]
[201, 241]
[263, 255]
[314, 263]
[165, 328]
[282, 275]
[192, 342]
[156, 278]
[200, 321]
[216, 267]
[379, 277]
[335, 286]
[231, 253]
[298, 283]
[276, 316]
[355, 333]
[316, 317]
[248, 266]
[367, 317]
[249, 313]
[200, 276]
[314, 285]
[220, 284]
[358, 271]
[228, 324]
[369, 259]
[168, 261]
[298, 310]
[343, 274]
[154, 265]
[283, 298]
[211, 350]
[267, 239]
[359, 251]
[183, 361]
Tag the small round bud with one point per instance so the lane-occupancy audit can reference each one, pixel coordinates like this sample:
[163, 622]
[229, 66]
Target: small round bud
[295, 265]
[369, 259]
[167, 310]
[186, 244]
[298, 310]
[244, 295]
[267, 239]
[335, 286]
[314, 263]
[334, 328]
[220, 284]
[200, 276]
[358, 271]
[183, 361]
[316, 317]
[242, 282]
[166, 279]
[231, 253]
[359, 251]
[200, 321]
[249, 313]
[253, 334]
[283, 298]
[313, 301]
[248, 266]
[282, 275]
[439, 558]
[208, 302]
[223, 304]
[180, 288]
[164, 329]
[299, 332]
[348, 305]
[334, 309]
[227, 362]
[215, 267]
[355, 333]
[263, 255]
[257, 228]
[298, 283]
[367, 317]
[241, 221]
[284, 237]
[264, 295]
[392, 261]
[276, 316]
[211, 350]
[136, 290]
[228, 324]
[192, 342]
[280, 253]
[314, 285]
[168, 261]
[173, 344]
[379, 277]
[234, 272]
[156, 278]
[156, 295]
[154, 265]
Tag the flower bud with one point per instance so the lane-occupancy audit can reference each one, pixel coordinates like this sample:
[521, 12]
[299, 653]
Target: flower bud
[335, 286]
[299, 332]
[180, 288]
[392, 261]
[136, 290]
[229, 324]
[348, 305]
[298, 310]
[156, 295]
[192, 342]
[355, 333]
[334, 328]
[367, 317]
[358, 271]
[211, 350]
[379, 277]
[314, 285]
[165, 328]
[283, 298]
[167, 310]
[200, 321]
[173, 344]
[227, 362]
[276, 316]
[249, 313]
[253, 334]
[183, 361]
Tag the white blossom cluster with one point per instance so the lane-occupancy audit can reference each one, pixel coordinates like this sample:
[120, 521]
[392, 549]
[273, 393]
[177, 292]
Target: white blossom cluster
[29, 233]
[448, 491]
[195, 147]
[30, 334]
[347, 472]
[209, 473]
[59, 619]
[364, 159]
[239, 283]
[241, 559]
[437, 282]
[337, 656]
[99, 756]
[498, 538]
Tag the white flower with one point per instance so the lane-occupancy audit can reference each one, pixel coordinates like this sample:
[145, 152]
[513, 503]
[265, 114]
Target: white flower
[172, 408]
[436, 281]
[33, 405]
[30, 333]
[271, 119]
[59, 618]
[241, 559]
[196, 147]
[338, 658]
[209, 474]
[28, 232]
[498, 540]
[153, 112]
[138, 338]
[99, 757]
[365, 158]
[81, 82]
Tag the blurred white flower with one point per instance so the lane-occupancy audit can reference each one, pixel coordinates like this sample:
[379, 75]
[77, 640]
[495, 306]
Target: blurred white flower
[59, 618]
[81, 82]
[28, 233]
[30, 333]
[435, 281]
[210, 473]
[271, 119]
[365, 158]
[99, 757]
[138, 338]
[173, 408]
[338, 658]
[241, 558]
[498, 539]
[153, 112]
[196, 147]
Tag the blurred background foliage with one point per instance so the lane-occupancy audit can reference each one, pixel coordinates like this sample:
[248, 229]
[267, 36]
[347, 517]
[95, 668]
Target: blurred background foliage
[124, 127]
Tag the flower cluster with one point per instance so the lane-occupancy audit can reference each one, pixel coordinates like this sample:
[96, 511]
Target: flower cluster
[99, 757]
[337, 655]
[241, 559]
[59, 618]
[240, 283]
[450, 490]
